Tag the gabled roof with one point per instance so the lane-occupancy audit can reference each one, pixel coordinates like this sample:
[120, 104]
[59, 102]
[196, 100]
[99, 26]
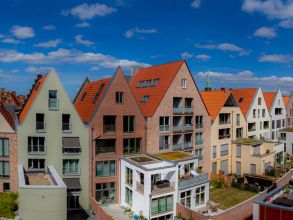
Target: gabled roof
[165, 73]
[244, 98]
[84, 102]
[286, 100]
[269, 98]
[32, 96]
[7, 116]
[214, 101]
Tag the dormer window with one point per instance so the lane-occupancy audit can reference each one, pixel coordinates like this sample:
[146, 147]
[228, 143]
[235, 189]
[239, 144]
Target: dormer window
[154, 82]
[53, 100]
[98, 93]
[183, 83]
[145, 98]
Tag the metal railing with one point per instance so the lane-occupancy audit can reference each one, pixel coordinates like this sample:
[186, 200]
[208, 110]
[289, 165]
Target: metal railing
[105, 150]
[177, 128]
[109, 128]
[187, 144]
[177, 110]
[188, 109]
[198, 141]
[199, 125]
[160, 190]
[193, 181]
[37, 149]
[188, 127]
[224, 122]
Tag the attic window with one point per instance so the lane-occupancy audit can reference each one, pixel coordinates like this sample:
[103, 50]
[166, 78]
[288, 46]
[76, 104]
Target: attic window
[147, 83]
[240, 100]
[98, 93]
[154, 82]
[145, 98]
[83, 96]
[140, 84]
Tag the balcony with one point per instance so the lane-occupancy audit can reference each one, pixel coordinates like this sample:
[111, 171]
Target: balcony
[198, 125]
[188, 127]
[162, 186]
[140, 188]
[37, 150]
[187, 144]
[40, 127]
[177, 146]
[189, 181]
[71, 172]
[188, 110]
[164, 128]
[177, 110]
[66, 127]
[177, 128]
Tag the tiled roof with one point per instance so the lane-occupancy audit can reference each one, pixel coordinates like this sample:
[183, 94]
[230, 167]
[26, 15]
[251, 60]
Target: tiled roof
[244, 98]
[165, 73]
[214, 101]
[269, 98]
[6, 115]
[84, 103]
[33, 95]
[286, 100]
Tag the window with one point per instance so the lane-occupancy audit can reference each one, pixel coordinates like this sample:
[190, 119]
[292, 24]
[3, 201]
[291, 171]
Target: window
[71, 167]
[36, 164]
[279, 122]
[224, 150]
[72, 202]
[198, 153]
[106, 192]
[66, 125]
[253, 168]
[183, 83]
[199, 121]
[256, 150]
[224, 118]
[283, 123]
[214, 167]
[105, 146]
[263, 113]
[119, 97]
[239, 132]
[128, 196]
[155, 82]
[105, 168]
[4, 169]
[185, 198]
[128, 176]
[53, 100]
[36, 145]
[238, 150]
[238, 168]
[254, 113]
[164, 123]
[238, 119]
[140, 84]
[6, 187]
[278, 111]
[164, 142]
[98, 93]
[224, 133]
[200, 196]
[273, 124]
[109, 123]
[128, 123]
[4, 147]
[198, 138]
[259, 101]
[40, 122]
[162, 204]
[260, 125]
[273, 135]
[145, 98]
[188, 102]
[258, 113]
[131, 145]
[214, 152]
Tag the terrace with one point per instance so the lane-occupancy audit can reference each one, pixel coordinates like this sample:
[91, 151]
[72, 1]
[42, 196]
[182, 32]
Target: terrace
[174, 156]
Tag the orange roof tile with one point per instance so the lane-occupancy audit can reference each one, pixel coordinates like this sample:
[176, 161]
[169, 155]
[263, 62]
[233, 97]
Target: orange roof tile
[84, 102]
[269, 98]
[165, 73]
[6, 115]
[244, 98]
[214, 101]
[286, 100]
[34, 93]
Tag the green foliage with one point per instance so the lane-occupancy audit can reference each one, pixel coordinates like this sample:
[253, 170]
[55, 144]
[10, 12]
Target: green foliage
[8, 204]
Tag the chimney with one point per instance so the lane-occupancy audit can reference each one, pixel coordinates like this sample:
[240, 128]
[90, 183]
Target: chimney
[134, 70]
[223, 89]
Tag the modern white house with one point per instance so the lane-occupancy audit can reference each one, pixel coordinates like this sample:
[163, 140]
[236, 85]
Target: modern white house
[277, 111]
[286, 136]
[151, 185]
[254, 108]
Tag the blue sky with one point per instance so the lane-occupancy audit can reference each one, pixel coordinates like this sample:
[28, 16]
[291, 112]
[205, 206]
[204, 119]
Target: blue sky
[240, 43]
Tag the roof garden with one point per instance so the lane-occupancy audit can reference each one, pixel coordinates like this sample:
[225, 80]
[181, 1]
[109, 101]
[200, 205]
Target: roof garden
[248, 141]
[143, 159]
[287, 129]
[173, 156]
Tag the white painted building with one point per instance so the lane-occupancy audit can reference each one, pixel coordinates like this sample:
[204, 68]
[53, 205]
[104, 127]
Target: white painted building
[151, 185]
[286, 136]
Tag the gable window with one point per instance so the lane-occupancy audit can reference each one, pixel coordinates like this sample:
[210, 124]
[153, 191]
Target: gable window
[53, 99]
[119, 97]
[66, 125]
[183, 83]
[199, 121]
[164, 124]
[259, 101]
[36, 164]
[131, 145]
[128, 123]
[145, 98]
[109, 123]
[40, 122]
[4, 147]
[4, 169]
[98, 93]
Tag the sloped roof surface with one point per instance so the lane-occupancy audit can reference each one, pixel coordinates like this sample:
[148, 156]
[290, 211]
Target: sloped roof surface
[244, 98]
[269, 98]
[7, 116]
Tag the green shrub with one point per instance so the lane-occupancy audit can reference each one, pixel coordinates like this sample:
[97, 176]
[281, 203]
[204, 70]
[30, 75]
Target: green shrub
[8, 204]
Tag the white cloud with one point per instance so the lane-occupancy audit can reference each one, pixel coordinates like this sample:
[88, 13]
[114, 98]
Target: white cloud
[2, 35]
[86, 12]
[186, 55]
[22, 32]
[138, 32]
[224, 47]
[82, 25]
[196, 3]
[272, 9]
[266, 32]
[79, 40]
[276, 58]
[94, 68]
[203, 57]
[10, 41]
[67, 56]
[50, 43]
[286, 23]
[36, 70]
[49, 27]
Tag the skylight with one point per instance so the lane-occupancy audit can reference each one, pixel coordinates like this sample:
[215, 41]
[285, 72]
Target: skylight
[98, 93]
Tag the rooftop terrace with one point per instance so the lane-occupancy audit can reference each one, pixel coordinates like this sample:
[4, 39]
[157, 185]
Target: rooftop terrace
[248, 141]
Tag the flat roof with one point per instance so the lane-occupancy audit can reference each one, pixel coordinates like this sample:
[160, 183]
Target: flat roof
[174, 156]
[248, 141]
[37, 178]
[287, 129]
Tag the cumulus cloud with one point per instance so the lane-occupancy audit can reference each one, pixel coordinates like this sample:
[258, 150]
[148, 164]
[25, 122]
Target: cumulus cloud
[86, 12]
[22, 32]
[82, 25]
[50, 43]
[195, 3]
[10, 41]
[49, 27]
[203, 57]
[186, 55]
[266, 32]
[36, 70]
[276, 58]
[286, 23]
[79, 40]
[224, 47]
[138, 32]
[67, 56]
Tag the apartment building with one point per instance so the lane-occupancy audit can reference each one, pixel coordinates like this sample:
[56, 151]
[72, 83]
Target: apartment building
[277, 111]
[8, 152]
[151, 185]
[176, 116]
[51, 134]
[288, 101]
[252, 104]
[116, 128]
[228, 124]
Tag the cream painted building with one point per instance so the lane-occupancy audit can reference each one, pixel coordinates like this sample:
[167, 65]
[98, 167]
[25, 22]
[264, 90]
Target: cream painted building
[228, 124]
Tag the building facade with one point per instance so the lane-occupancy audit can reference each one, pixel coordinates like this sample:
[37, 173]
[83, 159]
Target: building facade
[288, 100]
[286, 136]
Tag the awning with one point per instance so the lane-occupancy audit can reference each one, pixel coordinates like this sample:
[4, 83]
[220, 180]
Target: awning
[72, 183]
[71, 142]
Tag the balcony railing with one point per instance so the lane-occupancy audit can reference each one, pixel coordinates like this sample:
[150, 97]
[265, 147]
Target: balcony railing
[69, 172]
[198, 125]
[177, 128]
[37, 150]
[164, 127]
[177, 110]
[177, 146]
[187, 144]
[198, 141]
[66, 127]
[188, 109]
[109, 128]
[193, 181]
[164, 188]
[224, 136]
[40, 126]
[140, 188]
[224, 122]
[105, 150]
[188, 127]
[53, 104]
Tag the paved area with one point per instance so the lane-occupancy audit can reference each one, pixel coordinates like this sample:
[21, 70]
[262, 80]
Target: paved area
[38, 179]
[116, 211]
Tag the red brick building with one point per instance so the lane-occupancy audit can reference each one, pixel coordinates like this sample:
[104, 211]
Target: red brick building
[10, 98]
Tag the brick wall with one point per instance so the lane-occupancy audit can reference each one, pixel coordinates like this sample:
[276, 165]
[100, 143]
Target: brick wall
[100, 213]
